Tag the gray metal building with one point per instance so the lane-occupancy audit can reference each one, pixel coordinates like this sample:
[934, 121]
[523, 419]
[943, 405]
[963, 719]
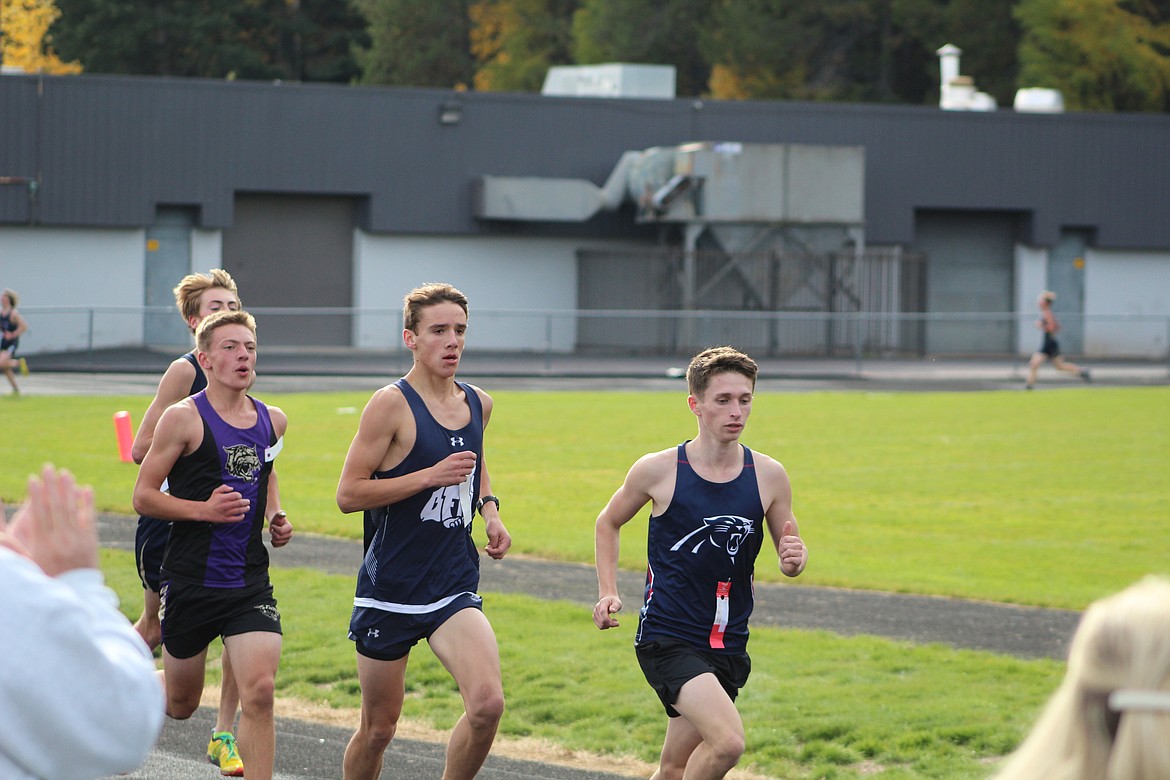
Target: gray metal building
[339, 199]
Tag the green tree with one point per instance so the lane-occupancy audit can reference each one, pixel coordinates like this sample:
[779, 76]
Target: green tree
[834, 50]
[515, 41]
[1103, 55]
[987, 32]
[655, 32]
[860, 50]
[251, 39]
[318, 38]
[417, 43]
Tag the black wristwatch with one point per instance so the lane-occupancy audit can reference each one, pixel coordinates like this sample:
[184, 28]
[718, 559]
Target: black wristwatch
[479, 504]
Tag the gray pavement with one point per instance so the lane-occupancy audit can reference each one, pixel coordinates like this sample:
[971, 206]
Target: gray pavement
[1026, 632]
[311, 750]
[279, 369]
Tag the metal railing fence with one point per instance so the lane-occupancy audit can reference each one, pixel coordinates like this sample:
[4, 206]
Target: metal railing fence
[624, 332]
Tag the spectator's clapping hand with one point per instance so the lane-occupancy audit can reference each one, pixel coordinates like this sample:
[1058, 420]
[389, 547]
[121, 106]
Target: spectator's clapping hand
[55, 527]
[6, 537]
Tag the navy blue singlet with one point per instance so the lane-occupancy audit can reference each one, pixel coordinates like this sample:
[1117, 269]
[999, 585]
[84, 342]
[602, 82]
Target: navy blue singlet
[5, 340]
[200, 380]
[702, 552]
[421, 555]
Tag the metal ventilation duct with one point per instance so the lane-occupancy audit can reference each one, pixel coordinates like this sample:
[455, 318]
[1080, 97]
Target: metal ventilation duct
[705, 182]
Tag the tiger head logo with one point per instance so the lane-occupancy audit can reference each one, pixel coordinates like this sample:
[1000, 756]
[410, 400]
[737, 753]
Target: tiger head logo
[243, 462]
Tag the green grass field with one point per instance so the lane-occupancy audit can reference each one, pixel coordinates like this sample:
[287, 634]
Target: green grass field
[1046, 499]
[1050, 499]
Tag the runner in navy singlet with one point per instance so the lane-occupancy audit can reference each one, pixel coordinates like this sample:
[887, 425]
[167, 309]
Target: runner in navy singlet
[416, 469]
[215, 450]
[710, 498]
[1049, 346]
[197, 296]
[12, 325]
[702, 551]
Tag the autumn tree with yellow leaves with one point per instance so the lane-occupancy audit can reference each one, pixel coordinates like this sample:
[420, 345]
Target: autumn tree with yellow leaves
[24, 37]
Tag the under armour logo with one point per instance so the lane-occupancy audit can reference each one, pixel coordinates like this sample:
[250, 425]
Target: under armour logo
[456, 441]
[372, 632]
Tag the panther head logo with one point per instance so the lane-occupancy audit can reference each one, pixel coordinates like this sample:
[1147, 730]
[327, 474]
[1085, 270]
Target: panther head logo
[243, 462]
[725, 531]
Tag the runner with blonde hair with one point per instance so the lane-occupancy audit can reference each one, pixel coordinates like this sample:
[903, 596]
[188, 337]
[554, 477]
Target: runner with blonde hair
[12, 325]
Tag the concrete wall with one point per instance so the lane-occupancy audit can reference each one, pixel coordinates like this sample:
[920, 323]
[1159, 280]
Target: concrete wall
[74, 283]
[83, 288]
[1031, 278]
[1127, 303]
[499, 276]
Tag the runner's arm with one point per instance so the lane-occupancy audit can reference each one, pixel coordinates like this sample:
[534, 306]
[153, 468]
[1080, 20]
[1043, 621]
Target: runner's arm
[172, 388]
[280, 530]
[19, 326]
[776, 495]
[635, 492]
[381, 421]
[499, 540]
[179, 432]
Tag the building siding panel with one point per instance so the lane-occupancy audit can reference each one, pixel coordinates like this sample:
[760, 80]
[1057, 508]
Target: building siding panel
[114, 148]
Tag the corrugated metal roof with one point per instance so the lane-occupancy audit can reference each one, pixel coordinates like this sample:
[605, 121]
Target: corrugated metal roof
[112, 148]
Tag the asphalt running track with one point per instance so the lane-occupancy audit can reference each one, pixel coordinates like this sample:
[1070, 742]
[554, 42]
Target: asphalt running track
[310, 750]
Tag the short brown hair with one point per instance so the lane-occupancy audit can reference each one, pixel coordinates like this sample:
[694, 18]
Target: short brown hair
[218, 320]
[718, 360]
[189, 291]
[12, 297]
[429, 295]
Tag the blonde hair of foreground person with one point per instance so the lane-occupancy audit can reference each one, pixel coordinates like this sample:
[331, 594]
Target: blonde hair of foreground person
[1110, 718]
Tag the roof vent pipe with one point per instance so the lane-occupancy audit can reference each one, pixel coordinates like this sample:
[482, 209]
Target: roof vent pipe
[948, 61]
[955, 92]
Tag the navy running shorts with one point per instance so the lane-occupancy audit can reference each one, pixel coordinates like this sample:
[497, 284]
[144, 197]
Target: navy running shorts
[388, 636]
[150, 543]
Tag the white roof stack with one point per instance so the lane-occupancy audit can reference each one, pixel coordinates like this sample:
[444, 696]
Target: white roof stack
[1039, 100]
[958, 93]
[611, 80]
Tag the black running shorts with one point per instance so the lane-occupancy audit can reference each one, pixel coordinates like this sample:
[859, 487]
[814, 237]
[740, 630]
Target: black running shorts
[194, 615]
[670, 664]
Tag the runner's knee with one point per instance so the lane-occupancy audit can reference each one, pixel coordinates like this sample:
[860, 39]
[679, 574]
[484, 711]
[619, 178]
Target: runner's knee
[258, 694]
[378, 735]
[485, 707]
[181, 707]
[727, 748]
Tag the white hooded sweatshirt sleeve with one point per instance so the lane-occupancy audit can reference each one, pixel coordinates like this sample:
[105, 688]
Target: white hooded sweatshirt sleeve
[79, 695]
